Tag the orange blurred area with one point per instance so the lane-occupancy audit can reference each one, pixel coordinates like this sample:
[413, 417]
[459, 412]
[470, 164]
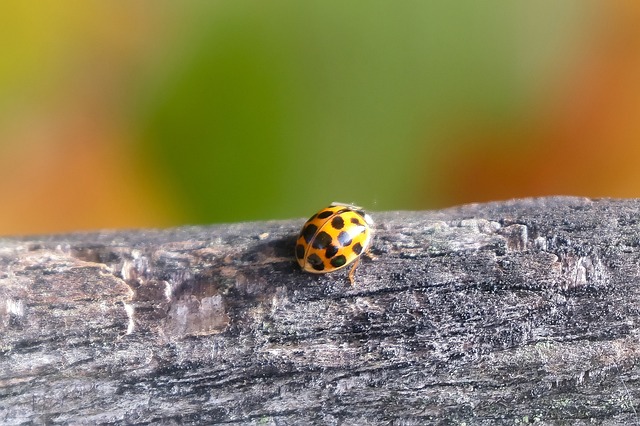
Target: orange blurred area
[582, 139]
[76, 172]
[66, 154]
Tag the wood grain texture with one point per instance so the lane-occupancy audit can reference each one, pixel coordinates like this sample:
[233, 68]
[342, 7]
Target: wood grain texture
[503, 313]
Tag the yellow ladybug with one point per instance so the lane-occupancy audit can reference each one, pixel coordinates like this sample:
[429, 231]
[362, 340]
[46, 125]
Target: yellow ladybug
[333, 238]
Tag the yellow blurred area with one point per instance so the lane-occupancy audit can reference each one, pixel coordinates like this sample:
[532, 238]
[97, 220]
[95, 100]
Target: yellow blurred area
[159, 113]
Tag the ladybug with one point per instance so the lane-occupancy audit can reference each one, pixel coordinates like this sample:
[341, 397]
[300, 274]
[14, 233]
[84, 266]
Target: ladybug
[333, 238]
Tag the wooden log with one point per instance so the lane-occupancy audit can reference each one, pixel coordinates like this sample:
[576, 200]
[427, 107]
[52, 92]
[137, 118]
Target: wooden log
[502, 313]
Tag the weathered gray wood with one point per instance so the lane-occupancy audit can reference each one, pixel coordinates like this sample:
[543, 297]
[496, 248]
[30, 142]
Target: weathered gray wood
[505, 313]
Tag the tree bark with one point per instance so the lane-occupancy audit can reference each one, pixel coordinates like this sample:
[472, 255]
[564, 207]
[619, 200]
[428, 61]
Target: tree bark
[502, 313]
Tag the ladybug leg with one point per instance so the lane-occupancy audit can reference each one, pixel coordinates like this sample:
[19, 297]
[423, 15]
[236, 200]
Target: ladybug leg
[353, 270]
[370, 255]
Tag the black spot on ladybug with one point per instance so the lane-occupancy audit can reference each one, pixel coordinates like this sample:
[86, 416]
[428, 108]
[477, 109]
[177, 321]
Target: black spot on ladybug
[338, 261]
[309, 231]
[355, 221]
[325, 214]
[321, 240]
[299, 251]
[357, 248]
[337, 222]
[361, 213]
[331, 251]
[344, 238]
[315, 262]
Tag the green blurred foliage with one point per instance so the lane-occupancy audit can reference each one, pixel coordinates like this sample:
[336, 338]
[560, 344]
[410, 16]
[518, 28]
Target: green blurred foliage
[275, 109]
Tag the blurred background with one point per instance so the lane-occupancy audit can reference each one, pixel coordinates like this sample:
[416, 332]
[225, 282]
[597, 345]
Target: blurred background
[161, 113]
